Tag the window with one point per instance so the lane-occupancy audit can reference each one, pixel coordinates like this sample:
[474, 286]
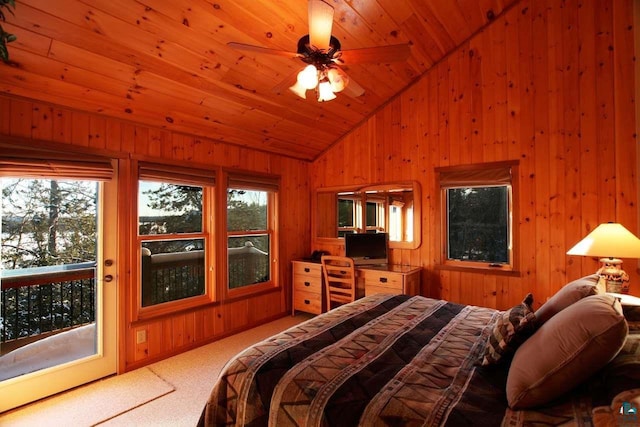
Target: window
[348, 213]
[374, 212]
[477, 212]
[251, 227]
[173, 233]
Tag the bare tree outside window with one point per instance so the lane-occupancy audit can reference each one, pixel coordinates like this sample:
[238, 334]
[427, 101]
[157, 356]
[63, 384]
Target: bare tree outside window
[48, 226]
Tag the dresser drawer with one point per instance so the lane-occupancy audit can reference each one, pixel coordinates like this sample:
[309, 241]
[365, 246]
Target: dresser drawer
[372, 290]
[302, 283]
[308, 302]
[307, 269]
[382, 279]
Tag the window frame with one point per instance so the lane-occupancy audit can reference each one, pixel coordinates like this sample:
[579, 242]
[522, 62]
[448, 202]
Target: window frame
[253, 182]
[479, 175]
[172, 174]
[356, 213]
[380, 207]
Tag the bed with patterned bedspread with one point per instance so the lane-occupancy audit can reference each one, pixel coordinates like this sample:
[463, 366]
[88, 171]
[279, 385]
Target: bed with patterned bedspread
[383, 360]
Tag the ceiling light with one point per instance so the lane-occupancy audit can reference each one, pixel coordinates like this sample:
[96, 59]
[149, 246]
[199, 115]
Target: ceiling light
[299, 90]
[324, 91]
[308, 77]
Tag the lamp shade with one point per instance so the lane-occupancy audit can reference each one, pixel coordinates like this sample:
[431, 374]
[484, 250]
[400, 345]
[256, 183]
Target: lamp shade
[608, 240]
[324, 91]
[308, 77]
[299, 90]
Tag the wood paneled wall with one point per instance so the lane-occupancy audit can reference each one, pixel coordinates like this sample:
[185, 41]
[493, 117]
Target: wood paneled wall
[175, 333]
[550, 84]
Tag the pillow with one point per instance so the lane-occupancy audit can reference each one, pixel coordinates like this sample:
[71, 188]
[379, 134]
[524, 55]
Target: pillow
[510, 330]
[569, 294]
[566, 350]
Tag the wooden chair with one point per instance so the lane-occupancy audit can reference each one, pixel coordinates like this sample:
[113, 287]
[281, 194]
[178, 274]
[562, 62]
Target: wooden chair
[339, 279]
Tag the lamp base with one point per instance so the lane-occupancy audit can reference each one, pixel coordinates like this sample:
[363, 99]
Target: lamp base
[612, 277]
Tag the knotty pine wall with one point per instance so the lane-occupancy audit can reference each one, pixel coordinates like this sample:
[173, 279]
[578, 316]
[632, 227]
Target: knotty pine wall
[550, 84]
[181, 331]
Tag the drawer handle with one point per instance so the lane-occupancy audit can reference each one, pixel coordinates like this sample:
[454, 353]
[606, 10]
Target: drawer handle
[307, 284]
[307, 269]
[307, 302]
[383, 280]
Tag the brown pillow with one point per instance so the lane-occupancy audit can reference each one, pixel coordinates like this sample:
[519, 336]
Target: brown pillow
[569, 294]
[511, 329]
[566, 350]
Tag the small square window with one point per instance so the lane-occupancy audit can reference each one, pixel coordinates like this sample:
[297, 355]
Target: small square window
[478, 224]
[477, 216]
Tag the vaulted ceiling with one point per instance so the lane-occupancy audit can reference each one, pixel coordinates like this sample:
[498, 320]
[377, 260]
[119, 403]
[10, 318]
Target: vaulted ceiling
[166, 63]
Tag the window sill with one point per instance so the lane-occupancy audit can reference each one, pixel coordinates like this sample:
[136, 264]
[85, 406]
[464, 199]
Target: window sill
[479, 270]
[172, 307]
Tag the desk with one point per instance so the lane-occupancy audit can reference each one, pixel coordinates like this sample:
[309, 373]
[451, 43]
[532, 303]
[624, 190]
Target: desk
[308, 289]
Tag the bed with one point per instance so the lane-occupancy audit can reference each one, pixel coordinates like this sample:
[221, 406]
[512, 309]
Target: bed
[390, 360]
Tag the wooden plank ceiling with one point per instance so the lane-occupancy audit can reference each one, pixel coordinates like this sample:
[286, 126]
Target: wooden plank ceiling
[167, 64]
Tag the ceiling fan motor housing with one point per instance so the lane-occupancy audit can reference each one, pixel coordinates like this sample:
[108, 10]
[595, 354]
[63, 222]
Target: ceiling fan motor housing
[320, 58]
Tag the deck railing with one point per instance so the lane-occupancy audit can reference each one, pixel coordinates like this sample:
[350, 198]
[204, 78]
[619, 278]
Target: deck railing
[43, 300]
[172, 276]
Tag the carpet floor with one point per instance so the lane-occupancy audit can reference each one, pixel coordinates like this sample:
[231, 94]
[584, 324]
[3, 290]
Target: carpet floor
[171, 392]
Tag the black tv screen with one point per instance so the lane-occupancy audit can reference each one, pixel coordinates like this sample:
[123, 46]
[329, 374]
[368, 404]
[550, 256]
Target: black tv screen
[367, 248]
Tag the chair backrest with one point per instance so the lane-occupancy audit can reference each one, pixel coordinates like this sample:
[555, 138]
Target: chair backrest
[339, 279]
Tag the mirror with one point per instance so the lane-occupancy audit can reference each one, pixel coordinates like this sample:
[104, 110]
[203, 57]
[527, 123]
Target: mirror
[392, 208]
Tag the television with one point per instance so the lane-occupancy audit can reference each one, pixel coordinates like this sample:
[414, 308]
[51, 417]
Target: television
[367, 248]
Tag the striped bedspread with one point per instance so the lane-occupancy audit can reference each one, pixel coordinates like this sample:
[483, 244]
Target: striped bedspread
[383, 360]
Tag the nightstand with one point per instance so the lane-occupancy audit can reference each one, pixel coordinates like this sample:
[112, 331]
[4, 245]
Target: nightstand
[626, 299]
[630, 310]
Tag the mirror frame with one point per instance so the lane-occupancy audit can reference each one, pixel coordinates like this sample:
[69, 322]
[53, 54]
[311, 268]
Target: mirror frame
[360, 189]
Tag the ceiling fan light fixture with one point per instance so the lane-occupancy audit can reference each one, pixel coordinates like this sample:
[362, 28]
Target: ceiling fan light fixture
[324, 91]
[308, 77]
[338, 79]
[299, 90]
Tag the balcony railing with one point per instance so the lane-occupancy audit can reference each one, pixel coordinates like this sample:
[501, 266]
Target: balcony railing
[247, 265]
[43, 300]
[172, 276]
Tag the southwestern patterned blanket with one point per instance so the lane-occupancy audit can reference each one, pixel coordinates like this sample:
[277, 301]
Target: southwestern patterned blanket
[384, 360]
[391, 360]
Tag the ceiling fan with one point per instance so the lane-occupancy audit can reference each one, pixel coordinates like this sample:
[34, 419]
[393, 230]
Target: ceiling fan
[323, 54]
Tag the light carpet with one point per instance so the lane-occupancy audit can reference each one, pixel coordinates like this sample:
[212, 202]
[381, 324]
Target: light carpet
[95, 403]
[192, 374]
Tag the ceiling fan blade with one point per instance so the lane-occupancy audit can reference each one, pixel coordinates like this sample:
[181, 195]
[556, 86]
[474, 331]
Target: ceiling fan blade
[353, 89]
[320, 24]
[381, 54]
[264, 50]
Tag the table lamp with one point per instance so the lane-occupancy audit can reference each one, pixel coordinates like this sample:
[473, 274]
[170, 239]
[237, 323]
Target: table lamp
[610, 242]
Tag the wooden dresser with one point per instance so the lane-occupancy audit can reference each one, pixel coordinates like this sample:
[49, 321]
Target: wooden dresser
[308, 292]
[307, 287]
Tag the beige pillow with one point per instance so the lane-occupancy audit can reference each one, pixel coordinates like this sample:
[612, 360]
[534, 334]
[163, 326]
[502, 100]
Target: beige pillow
[566, 350]
[569, 294]
[510, 330]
